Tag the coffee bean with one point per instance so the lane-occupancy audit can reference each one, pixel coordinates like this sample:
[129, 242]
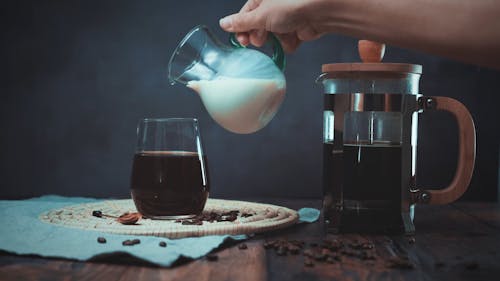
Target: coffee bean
[242, 246]
[308, 253]
[367, 246]
[308, 262]
[128, 243]
[281, 251]
[268, 245]
[293, 249]
[400, 262]
[163, 244]
[101, 240]
[319, 256]
[212, 257]
[97, 213]
[330, 260]
[411, 240]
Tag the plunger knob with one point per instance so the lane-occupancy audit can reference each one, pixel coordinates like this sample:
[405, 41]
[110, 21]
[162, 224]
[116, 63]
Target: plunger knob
[370, 51]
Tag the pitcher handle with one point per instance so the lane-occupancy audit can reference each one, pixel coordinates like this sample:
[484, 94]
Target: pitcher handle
[466, 151]
[278, 54]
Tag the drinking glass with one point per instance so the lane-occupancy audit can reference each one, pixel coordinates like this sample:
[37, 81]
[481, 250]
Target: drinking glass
[169, 173]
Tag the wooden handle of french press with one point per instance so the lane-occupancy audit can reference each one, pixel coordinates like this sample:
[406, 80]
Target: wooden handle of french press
[466, 151]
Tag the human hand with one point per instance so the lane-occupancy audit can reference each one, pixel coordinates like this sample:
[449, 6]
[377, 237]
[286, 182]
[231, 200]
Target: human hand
[290, 20]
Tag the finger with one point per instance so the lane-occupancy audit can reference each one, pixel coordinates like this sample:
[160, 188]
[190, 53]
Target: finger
[243, 38]
[242, 22]
[289, 41]
[308, 34]
[258, 37]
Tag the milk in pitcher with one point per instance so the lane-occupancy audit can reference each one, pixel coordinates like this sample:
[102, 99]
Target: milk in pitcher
[241, 105]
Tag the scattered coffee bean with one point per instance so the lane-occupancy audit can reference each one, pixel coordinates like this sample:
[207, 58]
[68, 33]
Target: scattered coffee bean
[246, 215]
[101, 240]
[162, 244]
[242, 246]
[319, 256]
[294, 249]
[308, 262]
[367, 246]
[308, 253]
[129, 242]
[268, 245]
[281, 251]
[97, 213]
[192, 222]
[212, 257]
[400, 263]
[411, 240]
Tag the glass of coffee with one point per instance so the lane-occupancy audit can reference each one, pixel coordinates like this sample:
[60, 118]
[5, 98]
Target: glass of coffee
[169, 173]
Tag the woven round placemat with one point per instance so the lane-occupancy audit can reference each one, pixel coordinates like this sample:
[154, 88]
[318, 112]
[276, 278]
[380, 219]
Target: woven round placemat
[264, 217]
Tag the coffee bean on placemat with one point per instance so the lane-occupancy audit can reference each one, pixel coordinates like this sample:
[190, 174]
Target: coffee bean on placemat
[97, 213]
[163, 244]
[101, 240]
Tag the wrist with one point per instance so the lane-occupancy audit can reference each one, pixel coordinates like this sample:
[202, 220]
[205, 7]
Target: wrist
[324, 15]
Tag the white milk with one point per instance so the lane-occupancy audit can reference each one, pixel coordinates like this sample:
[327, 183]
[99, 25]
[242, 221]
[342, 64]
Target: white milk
[241, 105]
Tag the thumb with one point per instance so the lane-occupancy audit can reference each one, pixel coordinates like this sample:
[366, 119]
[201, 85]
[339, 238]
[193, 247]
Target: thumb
[242, 22]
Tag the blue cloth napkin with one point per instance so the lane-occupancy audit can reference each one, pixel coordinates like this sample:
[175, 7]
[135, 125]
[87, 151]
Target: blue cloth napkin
[22, 233]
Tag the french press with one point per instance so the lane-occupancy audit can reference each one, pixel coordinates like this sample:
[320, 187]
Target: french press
[370, 144]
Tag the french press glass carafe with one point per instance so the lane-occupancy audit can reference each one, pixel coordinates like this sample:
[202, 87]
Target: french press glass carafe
[370, 144]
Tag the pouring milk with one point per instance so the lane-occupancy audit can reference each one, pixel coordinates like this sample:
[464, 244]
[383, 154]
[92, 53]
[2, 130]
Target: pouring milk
[241, 88]
[245, 94]
[241, 105]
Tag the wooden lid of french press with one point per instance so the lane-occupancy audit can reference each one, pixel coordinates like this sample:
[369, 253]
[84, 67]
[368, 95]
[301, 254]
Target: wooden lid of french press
[371, 53]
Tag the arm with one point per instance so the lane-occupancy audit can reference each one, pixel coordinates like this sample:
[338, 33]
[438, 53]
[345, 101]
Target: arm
[459, 29]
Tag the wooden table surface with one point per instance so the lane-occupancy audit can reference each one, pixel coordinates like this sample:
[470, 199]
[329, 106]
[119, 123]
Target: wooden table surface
[455, 242]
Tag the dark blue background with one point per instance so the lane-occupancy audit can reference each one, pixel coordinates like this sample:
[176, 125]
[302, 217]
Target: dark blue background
[78, 75]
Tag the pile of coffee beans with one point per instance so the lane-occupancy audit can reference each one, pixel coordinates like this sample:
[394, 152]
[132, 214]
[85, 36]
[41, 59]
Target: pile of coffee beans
[328, 251]
[214, 217]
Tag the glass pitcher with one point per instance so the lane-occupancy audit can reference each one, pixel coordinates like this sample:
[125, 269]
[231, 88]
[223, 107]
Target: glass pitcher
[241, 88]
[370, 146]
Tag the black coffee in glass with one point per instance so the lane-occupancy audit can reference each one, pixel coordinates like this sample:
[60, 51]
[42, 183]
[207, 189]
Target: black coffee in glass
[169, 183]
